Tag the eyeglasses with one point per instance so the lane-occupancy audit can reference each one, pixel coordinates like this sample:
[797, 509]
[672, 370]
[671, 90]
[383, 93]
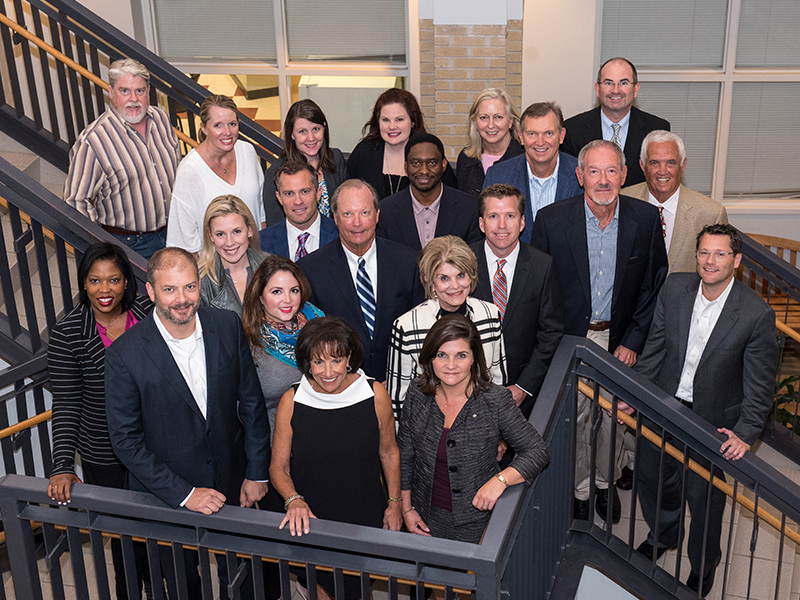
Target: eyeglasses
[624, 84]
[718, 254]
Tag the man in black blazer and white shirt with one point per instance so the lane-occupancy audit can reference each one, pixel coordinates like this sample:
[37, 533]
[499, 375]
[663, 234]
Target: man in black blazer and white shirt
[533, 318]
[712, 346]
[616, 87]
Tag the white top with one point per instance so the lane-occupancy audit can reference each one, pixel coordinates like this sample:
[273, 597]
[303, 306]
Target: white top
[670, 208]
[312, 242]
[196, 185]
[356, 392]
[190, 356]
[704, 317]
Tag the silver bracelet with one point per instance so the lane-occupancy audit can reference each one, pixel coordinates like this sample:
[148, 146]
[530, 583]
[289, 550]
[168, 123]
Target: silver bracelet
[291, 499]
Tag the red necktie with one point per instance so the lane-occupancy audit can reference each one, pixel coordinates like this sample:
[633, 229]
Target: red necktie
[500, 288]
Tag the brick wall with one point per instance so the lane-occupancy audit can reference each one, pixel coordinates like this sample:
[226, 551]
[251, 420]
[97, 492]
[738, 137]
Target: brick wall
[457, 62]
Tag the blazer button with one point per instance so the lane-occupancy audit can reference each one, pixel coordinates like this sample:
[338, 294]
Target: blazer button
[209, 462]
[451, 443]
[456, 491]
[208, 432]
[372, 355]
[453, 469]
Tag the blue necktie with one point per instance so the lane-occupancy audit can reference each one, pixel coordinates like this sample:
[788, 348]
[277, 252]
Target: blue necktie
[366, 296]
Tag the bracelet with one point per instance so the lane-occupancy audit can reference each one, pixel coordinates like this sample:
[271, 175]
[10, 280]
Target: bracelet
[395, 499]
[291, 499]
[405, 512]
[503, 479]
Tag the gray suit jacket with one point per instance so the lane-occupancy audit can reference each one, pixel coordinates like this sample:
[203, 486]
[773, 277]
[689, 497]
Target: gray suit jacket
[695, 211]
[734, 379]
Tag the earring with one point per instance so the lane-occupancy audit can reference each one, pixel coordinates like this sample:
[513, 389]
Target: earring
[349, 369]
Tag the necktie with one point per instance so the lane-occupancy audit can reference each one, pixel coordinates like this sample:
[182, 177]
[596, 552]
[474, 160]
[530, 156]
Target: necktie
[365, 295]
[663, 222]
[301, 246]
[324, 201]
[615, 138]
[500, 288]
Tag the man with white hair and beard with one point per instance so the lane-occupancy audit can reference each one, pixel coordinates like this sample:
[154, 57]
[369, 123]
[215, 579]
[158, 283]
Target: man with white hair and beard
[610, 258]
[123, 164]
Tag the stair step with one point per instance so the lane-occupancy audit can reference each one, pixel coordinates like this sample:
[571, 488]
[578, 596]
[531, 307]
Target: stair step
[24, 161]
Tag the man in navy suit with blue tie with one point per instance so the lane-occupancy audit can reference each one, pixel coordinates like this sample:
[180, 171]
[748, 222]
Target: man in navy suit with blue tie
[304, 229]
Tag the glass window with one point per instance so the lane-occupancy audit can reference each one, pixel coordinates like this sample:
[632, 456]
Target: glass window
[372, 31]
[762, 143]
[207, 30]
[769, 34]
[691, 109]
[658, 35]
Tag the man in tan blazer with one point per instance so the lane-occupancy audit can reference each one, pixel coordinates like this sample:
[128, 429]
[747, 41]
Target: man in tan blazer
[684, 212]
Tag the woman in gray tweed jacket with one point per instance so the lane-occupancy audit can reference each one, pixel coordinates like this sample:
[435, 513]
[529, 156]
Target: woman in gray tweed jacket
[452, 420]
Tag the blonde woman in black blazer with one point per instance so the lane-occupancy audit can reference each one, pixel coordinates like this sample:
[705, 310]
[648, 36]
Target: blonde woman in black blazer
[451, 423]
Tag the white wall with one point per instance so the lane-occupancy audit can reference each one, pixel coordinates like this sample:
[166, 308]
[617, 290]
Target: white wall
[116, 12]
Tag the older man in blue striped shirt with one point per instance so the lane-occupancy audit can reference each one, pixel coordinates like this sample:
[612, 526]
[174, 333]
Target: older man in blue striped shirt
[611, 260]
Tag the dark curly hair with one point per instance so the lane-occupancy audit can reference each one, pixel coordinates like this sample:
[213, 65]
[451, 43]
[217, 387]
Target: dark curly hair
[330, 336]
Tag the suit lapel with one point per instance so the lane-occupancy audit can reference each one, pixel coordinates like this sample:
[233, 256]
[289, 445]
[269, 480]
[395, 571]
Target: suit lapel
[682, 226]
[576, 236]
[340, 273]
[594, 127]
[447, 214]
[211, 345]
[484, 287]
[282, 242]
[626, 234]
[685, 309]
[158, 353]
[725, 323]
[405, 223]
[522, 271]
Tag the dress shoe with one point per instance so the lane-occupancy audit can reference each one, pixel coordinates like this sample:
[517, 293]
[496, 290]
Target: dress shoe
[646, 548]
[625, 481]
[580, 510]
[708, 581]
[601, 504]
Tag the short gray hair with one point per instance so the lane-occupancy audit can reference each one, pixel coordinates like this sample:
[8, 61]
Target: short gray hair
[131, 67]
[600, 144]
[659, 136]
[356, 184]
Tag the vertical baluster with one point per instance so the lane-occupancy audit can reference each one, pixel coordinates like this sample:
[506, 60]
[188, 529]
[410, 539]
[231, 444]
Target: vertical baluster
[11, 63]
[75, 104]
[21, 240]
[23, 439]
[47, 75]
[33, 95]
[40, 247]
[80, 52]
[99, 91]
[9, 298]
[61, 73]
[43, 430]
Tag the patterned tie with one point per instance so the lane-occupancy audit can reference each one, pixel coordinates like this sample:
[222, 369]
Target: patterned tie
[324, 202]
[301, 246]
[365, 295]
[663, 222]
[615, 138]
[500, 288]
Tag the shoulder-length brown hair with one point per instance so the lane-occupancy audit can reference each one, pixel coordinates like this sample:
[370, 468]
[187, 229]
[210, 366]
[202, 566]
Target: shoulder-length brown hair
[449, 329]
[252, 309]
[309, 110]
[372, 129]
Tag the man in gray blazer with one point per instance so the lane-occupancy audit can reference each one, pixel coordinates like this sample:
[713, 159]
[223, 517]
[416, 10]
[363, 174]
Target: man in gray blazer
[711, 346]
[684, 212]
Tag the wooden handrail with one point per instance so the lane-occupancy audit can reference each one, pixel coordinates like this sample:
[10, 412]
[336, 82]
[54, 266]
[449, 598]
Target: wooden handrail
[74, 66]
[787, 330]
[34, 420]
[694, 466]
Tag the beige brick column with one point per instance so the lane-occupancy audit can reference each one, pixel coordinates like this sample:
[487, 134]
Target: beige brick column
[459, 61]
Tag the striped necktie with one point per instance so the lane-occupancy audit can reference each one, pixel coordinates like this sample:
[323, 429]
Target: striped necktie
[301, 246]
[500, 288]
[365, 295]
[615, 138]
[663, 222]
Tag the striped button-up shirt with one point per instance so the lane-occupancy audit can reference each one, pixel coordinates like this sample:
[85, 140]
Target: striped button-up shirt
[116, 178]
[602, 247]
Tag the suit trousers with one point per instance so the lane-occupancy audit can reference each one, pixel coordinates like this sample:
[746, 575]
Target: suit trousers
[670, 532]
[583, 439]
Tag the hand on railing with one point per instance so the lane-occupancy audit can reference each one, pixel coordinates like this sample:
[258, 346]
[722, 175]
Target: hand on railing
[415, 524]
[733, 448]
[299, 516]
[625, 355]
[59, 488]
[205, 500]
[252, 492]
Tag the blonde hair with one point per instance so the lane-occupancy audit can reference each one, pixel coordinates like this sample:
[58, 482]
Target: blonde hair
[474, 148]
[213, 100]
[219, 207]
[446, 249]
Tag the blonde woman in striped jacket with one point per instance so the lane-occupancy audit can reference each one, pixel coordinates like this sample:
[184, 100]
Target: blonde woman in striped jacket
[449, 273]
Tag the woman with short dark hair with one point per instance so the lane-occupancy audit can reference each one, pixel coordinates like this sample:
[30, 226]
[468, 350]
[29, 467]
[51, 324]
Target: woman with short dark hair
[452, 421]
[334, 436]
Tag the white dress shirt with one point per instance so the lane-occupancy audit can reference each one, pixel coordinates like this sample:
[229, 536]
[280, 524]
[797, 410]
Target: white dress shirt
[704, 317]
[312, 242]
[508, 268]
[371, 265]
[670, 208]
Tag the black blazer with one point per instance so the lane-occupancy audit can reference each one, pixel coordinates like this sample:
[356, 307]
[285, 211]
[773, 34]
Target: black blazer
[534, 319]
[273, 211]
[333, 291]
[734, 379]
[366, 163]
[586, 126]
[76, 360]
[458, 216]
[469, 171]
[560, 230]
[156, 428]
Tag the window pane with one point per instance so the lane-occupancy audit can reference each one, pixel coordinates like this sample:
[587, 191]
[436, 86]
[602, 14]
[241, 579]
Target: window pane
[351, 30]
[680, 33]
[190, 30]
[762, 144]
[769, 34]
[691, 109]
